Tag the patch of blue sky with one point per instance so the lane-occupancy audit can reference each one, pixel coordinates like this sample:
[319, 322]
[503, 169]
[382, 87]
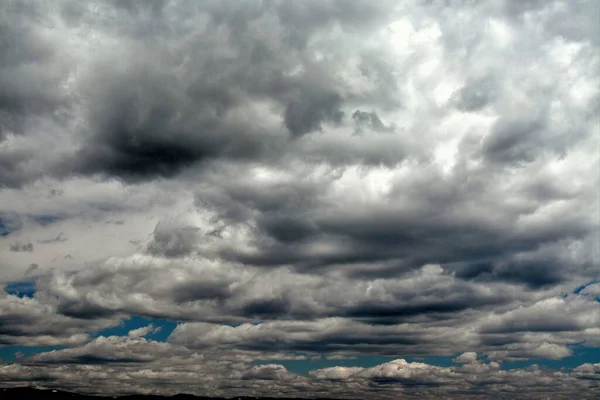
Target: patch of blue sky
[581, 288]
[4, 231]
[20, 288]
[9, 223]
[10, 354]
[162, 328]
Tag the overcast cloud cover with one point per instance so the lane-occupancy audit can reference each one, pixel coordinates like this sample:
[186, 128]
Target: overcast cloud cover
[297, 179]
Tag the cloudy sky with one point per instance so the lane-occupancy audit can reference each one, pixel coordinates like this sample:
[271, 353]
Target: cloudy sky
[301, 198]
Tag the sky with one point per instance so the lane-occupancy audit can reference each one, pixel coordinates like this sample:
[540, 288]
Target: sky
[345, 199]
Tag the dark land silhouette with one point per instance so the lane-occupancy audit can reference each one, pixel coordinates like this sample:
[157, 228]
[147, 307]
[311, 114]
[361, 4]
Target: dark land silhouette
[27, 393]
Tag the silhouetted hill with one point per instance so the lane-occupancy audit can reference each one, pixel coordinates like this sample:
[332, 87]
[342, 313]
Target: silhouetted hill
[25, 393]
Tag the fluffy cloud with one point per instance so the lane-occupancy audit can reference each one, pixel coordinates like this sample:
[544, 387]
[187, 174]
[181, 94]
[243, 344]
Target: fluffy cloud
[123, 365]
[347, 178]
[143, 331]
[420, 312]
[35, 322]
[471, 380]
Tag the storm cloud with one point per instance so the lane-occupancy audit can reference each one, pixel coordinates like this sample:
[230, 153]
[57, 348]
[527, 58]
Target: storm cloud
[286, 181]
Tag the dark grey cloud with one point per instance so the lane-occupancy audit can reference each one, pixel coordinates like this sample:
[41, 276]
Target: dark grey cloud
[140, 132]
[476, 94]
[11, 175]
[85, 310]
[173, 240]
[32, 268]
[34, 322]
[21, 247]
[146, 121]
[427, 312]
[512, 334]
[371, 120]
[55, 193]
[513, 141]
[429, 227]
[173, 107]
[28, 89]
[206, 290]
[306, 115]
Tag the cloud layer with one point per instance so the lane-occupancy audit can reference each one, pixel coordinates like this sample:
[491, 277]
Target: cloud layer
[300, 179]
[125, 365]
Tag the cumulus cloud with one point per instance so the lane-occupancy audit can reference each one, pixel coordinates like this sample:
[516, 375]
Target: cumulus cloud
[293, 179]
[467, 358]
[143, 331]
[35, 322]
[467, 381]
[110, 349]
[119, 365]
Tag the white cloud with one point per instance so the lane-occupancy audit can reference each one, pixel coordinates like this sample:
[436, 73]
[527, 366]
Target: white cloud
[143, 331]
